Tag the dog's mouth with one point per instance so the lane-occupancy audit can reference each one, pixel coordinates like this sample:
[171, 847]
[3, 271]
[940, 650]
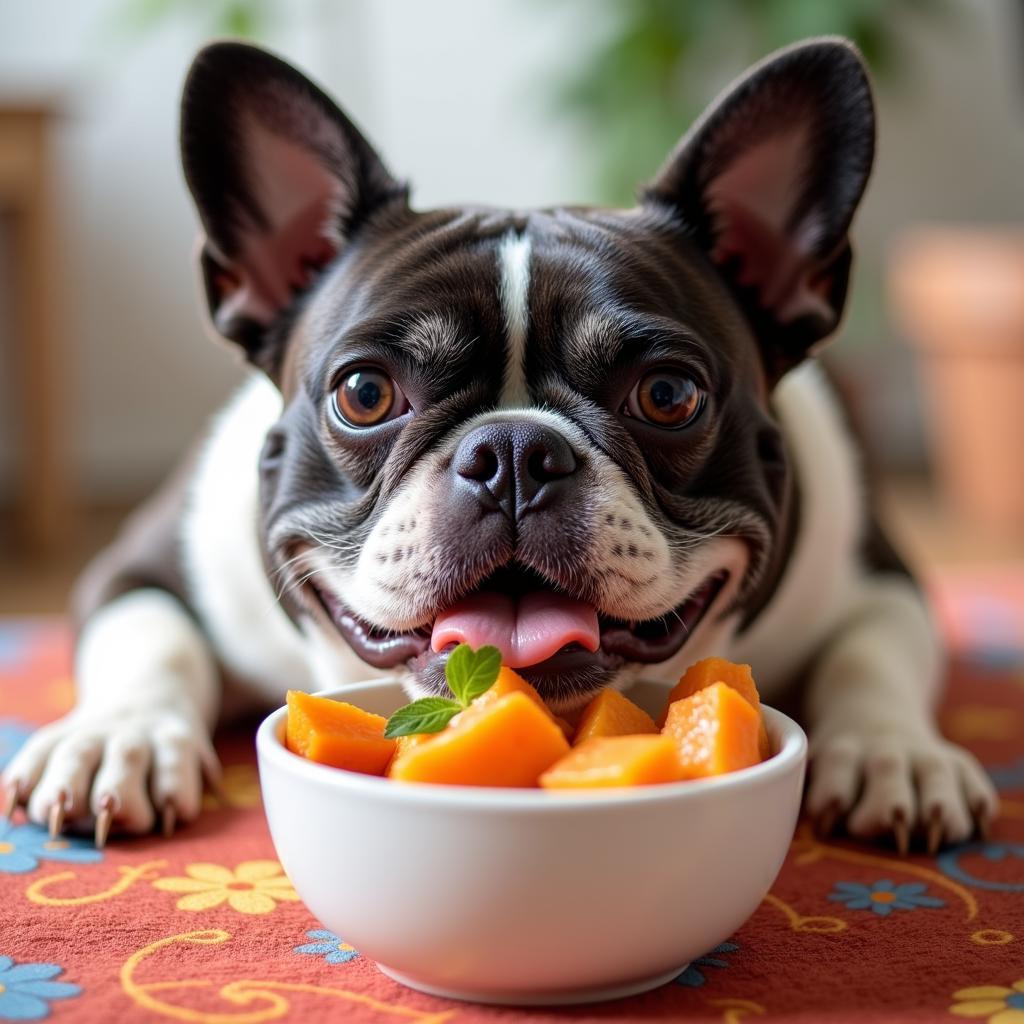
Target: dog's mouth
[542, 631]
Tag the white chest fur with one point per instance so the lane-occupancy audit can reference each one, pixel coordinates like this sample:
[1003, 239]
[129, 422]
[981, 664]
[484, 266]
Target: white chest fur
[254, 639]
[824, 569]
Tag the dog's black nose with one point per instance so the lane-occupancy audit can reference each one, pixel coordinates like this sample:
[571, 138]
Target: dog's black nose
[514, 465]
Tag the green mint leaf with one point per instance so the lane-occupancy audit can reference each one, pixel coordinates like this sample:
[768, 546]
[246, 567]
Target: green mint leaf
[471, 673]
[430, 714]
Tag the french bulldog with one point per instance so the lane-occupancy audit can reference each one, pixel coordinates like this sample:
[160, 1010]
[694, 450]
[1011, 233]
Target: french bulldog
[594, 438]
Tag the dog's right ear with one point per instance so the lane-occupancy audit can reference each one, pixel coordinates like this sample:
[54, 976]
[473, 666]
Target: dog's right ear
[281, 178]
[767, 183]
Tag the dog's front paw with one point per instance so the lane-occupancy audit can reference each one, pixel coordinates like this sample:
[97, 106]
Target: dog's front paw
[113, 770]
[904, 784]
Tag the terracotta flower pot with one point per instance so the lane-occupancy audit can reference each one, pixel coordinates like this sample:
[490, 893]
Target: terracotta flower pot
[958, 296]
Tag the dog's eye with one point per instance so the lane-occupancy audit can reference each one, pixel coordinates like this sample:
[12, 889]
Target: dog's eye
[367, 396]
[665, 398]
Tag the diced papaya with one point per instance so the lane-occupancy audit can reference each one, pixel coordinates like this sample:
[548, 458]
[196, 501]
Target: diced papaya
[764, 746]
[703, 673]
[404, 744]
[715, 731]
[335, 733]
[506, 743]
[606, 761]
[511, 682]
[568, 729]
[507, 682]
[611, 714]
[714, 670]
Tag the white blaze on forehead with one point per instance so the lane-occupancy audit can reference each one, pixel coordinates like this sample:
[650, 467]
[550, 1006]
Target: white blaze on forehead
[514, 268]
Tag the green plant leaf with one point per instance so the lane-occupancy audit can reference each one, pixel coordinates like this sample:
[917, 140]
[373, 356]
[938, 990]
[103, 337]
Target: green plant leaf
[471, 673]
[429, 714]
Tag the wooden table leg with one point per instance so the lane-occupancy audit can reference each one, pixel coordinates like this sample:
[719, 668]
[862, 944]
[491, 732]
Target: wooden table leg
[37, 259]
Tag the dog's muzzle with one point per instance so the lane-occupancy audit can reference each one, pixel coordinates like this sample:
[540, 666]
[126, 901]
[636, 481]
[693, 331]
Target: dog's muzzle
[519, 511]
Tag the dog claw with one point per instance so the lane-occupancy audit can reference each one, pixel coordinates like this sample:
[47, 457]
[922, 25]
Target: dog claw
[104, 819]
[167, 818]
[901, 833]
[827, 820]
[935, 832]
[57, 812]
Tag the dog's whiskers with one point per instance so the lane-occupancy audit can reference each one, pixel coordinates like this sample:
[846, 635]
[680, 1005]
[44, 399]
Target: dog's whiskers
[687, 540]
[686, 628]
[344, 547]
[295, 582]
[284, 566]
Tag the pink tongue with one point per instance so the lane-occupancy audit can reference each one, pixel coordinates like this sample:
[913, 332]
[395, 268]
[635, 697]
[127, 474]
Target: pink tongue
[526, 630]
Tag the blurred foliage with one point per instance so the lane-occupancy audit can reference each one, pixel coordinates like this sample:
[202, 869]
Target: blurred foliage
[240, 19]
[643, 79]
[646, 77]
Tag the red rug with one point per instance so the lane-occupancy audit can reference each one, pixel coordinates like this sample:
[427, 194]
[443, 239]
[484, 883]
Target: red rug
[205, 928]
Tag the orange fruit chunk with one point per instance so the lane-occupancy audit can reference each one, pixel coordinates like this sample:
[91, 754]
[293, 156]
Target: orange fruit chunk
[714, 670]
[715, 731]
[406, 743]
[707, 671]
[335, 733]
[509, 681]
[507, 742]
[568, 729]
[606, 761]
[611, 714]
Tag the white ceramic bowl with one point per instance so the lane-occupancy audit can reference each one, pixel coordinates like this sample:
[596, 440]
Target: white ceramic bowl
[528, 896]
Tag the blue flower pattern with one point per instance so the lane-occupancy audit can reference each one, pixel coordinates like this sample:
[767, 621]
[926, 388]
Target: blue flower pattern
[332, 947]
[693, 976]
[883, 897]
[949, 864]
[1008, 776]
[22, 847]
[26, 990]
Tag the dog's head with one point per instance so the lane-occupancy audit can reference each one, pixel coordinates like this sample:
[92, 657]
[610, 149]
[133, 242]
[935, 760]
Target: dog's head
[547, 430]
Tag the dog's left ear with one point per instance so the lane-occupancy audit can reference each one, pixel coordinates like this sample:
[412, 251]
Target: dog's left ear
[282, 180]
[767, 182]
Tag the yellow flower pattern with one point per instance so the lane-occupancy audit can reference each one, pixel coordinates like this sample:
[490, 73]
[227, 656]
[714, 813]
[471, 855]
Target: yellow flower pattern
[239, 789]
[181, 930]
[994, 1003]
[972, 722]
[254, 887]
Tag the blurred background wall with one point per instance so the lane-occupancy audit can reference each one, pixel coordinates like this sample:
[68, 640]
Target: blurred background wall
[513, 102]
[447, 109]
